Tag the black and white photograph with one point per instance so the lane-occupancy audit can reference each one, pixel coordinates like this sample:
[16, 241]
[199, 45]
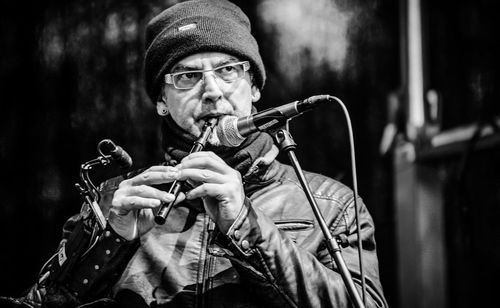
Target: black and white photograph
[266, 153]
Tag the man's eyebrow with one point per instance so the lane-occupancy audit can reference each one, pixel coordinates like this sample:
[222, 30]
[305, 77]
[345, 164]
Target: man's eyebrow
[226, 61]
[183, 68]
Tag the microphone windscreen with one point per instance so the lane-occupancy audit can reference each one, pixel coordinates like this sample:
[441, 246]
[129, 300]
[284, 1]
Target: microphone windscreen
[228, 133]
[122, 158]
[106, 146]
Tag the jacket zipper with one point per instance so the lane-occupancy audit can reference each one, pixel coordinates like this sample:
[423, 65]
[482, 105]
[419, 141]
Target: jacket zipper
[208, 260]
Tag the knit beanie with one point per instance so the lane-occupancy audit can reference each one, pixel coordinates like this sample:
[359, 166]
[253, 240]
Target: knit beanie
[198, 26]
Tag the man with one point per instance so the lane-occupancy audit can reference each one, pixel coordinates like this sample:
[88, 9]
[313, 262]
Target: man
[242, 233]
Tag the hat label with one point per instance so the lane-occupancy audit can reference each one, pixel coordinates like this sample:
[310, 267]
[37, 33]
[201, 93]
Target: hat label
[187, 27]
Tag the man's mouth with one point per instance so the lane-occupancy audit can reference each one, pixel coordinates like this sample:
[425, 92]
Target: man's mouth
[208, 117]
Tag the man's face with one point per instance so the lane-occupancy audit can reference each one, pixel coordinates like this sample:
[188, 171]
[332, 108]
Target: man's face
[210, 97]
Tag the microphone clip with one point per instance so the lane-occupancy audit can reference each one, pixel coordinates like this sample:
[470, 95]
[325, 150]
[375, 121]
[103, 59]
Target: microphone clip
[283, 139]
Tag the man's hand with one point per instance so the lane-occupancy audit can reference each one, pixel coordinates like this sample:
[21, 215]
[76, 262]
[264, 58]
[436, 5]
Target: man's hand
[218, 185]
[131, 214]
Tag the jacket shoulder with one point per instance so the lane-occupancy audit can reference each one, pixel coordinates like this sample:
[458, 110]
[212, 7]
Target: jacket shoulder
[322, 186]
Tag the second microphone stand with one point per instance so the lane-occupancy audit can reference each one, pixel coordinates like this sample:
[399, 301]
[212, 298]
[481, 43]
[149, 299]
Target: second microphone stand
[286, 144]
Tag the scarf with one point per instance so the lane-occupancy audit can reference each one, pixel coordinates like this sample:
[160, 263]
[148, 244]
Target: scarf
[254, 153]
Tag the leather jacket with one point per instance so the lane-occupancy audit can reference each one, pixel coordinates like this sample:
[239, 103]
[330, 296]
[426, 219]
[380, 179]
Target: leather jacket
[274, 255]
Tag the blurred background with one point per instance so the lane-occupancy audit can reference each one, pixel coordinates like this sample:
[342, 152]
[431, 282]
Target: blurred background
[420, 79]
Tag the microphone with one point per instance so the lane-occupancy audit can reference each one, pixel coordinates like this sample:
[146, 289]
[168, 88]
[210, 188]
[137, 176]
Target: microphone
[233, 131]
[122, 158]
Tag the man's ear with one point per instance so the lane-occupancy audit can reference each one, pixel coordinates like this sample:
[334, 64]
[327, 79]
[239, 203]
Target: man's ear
[255, 94]
[161, 106]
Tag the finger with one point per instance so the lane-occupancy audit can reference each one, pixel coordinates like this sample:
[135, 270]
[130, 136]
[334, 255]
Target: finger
[137, 197]
[202, 176]
[161, 168]
[207, 190]
[150, 177]
[129, 203]
[204, 162]
[146, 191]
[180, 197]
[209, 154]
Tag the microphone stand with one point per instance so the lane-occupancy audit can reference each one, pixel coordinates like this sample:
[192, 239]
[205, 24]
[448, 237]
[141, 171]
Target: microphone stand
[285, 143]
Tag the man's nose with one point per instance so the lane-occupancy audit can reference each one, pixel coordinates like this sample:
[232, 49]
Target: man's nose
[211, 90]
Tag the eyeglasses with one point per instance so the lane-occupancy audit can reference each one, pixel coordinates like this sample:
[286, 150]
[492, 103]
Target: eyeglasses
[228, 73]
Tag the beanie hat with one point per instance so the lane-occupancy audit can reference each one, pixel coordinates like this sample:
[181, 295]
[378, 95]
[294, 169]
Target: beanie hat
[198, 26]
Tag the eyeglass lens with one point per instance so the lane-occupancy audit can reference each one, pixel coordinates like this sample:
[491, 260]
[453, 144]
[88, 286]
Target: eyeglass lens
[227, 73]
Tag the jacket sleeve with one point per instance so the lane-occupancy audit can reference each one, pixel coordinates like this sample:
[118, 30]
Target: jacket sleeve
[83, 269]
[286, 275]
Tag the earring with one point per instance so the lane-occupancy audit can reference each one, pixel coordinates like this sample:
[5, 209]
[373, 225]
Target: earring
[163, 110]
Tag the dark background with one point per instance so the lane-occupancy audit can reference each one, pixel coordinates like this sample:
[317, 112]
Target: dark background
[71, 75]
